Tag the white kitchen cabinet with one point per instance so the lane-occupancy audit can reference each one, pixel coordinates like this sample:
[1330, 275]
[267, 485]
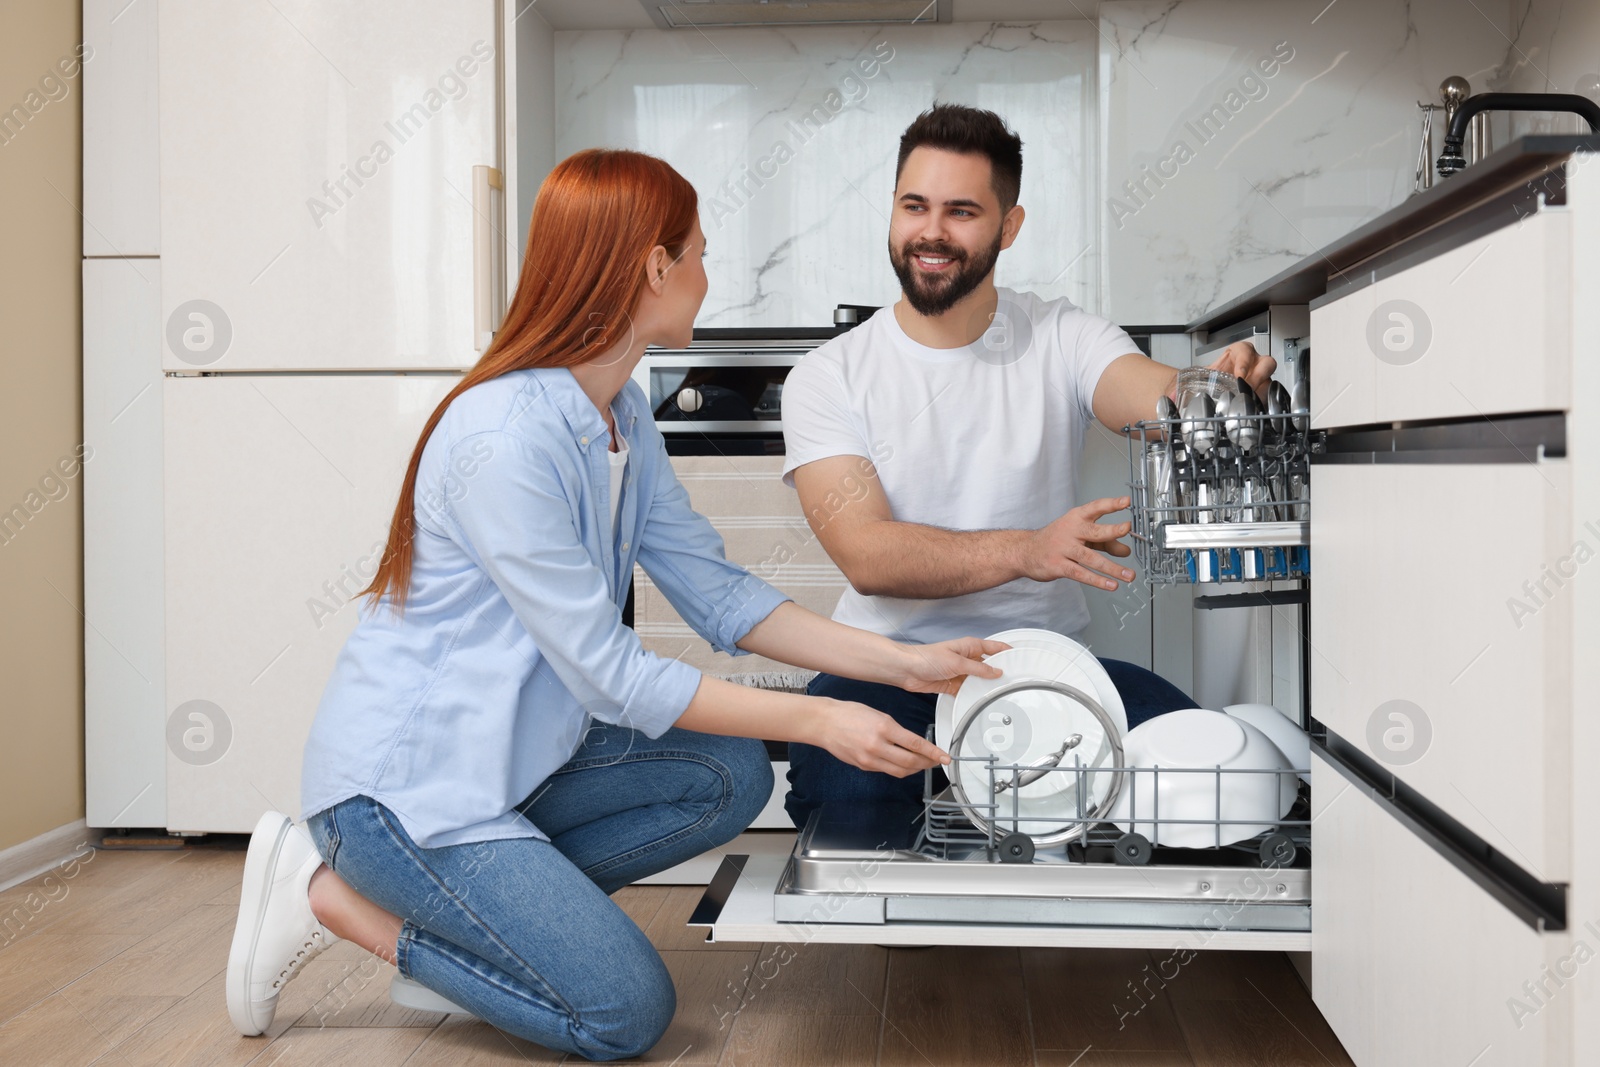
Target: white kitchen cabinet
[1343, 370]
[1462, 690]
[279, 492]
[530, 119]
[1451, 531]
[1484, 328]
[1583, 452]
[317, 182]
[124, 668]
[121, 125]
[1412, 962]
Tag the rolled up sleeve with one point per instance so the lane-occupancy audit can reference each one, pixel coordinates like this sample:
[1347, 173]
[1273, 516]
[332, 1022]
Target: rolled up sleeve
[516, 520]
[684, 555]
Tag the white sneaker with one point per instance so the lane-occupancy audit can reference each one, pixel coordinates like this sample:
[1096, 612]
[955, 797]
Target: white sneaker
[412, 994]
[276, 933]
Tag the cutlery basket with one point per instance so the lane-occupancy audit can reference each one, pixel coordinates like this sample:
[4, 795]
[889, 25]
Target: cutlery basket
[1205, 509]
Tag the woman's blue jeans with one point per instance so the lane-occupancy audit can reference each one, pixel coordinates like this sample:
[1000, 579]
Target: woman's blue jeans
[522, 932]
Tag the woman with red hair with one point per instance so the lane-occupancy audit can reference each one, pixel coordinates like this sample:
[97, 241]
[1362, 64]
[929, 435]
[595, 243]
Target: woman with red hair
[495, 753]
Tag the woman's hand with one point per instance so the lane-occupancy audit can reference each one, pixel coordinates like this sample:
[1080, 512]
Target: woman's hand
[867, 738]
[942, 667]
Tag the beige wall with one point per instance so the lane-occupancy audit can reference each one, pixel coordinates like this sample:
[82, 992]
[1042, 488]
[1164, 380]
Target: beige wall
[41, 547]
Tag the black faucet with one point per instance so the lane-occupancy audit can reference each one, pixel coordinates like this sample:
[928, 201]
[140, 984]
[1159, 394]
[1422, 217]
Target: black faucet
[1451, 160]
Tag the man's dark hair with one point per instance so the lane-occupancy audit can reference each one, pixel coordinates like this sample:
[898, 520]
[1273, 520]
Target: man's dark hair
[973, 131]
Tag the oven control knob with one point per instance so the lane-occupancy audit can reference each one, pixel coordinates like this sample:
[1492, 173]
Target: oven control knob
[690, 401]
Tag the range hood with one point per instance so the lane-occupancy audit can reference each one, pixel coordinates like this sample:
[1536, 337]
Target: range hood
[699, 14]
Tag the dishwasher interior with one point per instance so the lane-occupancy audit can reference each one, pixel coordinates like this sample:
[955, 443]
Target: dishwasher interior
[1088, 845]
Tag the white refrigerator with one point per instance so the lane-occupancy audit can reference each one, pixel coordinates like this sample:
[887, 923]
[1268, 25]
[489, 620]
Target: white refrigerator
[295, 243]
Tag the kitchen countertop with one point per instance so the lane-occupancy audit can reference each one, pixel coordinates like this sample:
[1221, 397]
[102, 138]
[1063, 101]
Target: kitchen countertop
[1497, 191]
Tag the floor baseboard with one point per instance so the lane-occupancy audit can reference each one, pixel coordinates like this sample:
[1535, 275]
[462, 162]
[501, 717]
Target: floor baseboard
[32, 858]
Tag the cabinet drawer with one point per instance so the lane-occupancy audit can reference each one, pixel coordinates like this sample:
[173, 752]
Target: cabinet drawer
[1485, 328]
[1441, 638]
[1412, 962]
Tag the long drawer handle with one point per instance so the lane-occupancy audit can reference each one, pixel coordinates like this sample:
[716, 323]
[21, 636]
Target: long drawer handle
[1542, 905]
[488, 286]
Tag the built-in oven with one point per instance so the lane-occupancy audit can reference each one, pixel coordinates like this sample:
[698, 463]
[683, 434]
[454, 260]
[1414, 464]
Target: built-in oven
[723, 397]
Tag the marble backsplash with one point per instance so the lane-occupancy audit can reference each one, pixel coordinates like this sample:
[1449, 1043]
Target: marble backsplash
[1178, 152]
[790, 137]
[1240, 136]
[1553, 47]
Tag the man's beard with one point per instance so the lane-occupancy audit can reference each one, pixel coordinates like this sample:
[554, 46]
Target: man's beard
[930, 294]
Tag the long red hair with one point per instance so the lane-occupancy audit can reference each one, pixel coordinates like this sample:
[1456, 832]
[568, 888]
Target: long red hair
[595, 221]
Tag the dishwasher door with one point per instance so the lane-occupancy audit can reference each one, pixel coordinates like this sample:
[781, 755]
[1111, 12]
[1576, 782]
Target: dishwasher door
[846, 882]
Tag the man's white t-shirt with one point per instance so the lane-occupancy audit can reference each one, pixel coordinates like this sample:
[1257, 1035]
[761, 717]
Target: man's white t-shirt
[984, 437]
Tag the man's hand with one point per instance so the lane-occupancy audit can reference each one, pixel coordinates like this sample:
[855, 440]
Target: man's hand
[1241, 360]
[1074, 546]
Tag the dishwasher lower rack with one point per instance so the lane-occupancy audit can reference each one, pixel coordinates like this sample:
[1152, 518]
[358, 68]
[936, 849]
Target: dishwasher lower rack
[925, 874]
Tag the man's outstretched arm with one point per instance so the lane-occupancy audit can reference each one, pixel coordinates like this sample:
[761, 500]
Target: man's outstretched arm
[845, 505]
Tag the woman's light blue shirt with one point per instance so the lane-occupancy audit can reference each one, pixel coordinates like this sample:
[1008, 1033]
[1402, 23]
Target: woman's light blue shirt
[512, 638]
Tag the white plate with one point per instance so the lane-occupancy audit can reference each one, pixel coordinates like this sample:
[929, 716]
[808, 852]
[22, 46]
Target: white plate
[1096, 682]
[1104, 690]
[1047, 663]
[1188, 746]
[1026, 726]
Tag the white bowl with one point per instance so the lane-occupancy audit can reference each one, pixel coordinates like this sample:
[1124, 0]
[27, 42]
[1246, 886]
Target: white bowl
[1284, 732]
[1188, 747]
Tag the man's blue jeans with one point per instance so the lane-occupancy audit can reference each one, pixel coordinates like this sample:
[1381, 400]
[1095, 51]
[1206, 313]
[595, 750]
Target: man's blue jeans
[816, 776]
[521, 932]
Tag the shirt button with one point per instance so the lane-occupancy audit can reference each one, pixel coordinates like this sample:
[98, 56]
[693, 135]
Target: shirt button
[583, 440]
[624, 546]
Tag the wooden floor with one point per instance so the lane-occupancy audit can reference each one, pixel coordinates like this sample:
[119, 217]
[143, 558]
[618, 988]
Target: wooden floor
[120, 962]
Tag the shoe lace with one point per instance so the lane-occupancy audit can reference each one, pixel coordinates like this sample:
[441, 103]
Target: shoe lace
[312, 946]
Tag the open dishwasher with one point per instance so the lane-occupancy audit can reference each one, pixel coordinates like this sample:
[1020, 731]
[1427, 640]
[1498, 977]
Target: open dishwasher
[1068, 844]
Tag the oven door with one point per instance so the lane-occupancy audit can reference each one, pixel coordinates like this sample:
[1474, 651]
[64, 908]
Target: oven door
[695, 392]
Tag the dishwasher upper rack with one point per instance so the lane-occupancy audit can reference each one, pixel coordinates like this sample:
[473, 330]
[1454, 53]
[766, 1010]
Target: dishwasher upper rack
[1229, 515]
[948, 832]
